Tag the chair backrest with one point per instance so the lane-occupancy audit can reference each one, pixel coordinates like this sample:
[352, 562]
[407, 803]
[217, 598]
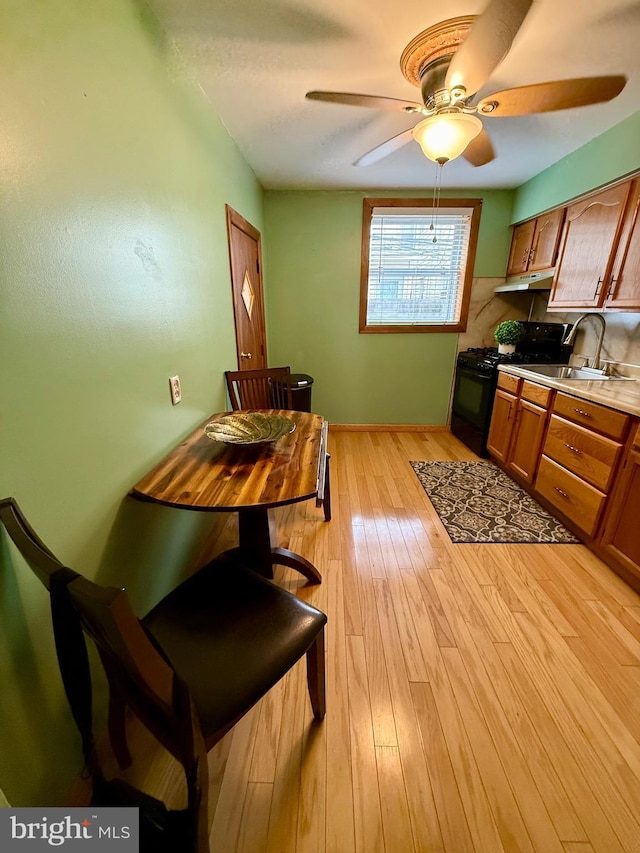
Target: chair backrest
[139, 676]
[40, 559]
[267, 388]
[134, 666]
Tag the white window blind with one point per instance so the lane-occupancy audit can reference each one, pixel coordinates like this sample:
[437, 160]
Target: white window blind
[412, 279]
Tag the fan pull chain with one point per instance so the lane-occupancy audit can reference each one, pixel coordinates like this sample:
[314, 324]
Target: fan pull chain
[433, 202]
[437, 187]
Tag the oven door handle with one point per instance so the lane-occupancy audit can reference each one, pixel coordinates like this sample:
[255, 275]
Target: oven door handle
[486, 377]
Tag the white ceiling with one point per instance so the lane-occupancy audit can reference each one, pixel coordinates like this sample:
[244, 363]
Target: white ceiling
[256, 59]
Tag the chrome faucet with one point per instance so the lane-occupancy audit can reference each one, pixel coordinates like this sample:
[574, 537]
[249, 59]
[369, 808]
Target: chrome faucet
[603, 326]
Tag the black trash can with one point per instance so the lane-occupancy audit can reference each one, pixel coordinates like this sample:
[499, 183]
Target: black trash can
[300, 385]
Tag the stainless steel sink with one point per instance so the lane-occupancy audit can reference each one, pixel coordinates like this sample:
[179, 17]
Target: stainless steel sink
[563, 371]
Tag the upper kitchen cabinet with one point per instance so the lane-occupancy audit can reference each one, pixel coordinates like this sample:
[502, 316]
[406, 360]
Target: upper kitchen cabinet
[623, 293]
[588, 248]
[535, 243]
[521, 243]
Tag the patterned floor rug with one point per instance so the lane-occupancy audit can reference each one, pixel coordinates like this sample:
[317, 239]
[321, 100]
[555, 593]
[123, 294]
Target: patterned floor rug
[477, 502]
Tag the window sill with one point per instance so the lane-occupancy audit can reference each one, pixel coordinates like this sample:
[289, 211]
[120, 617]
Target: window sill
[413, 330]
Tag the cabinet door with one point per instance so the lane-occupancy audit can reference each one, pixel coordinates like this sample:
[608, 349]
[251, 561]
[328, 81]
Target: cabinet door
[521, 243]
[528, 433]
[502, 421]
[545, 240]
[624, 289]
[587, 247]
[621, 537]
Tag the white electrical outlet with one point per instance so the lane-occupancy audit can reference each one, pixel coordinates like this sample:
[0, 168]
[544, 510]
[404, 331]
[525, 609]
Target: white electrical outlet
[176, 390]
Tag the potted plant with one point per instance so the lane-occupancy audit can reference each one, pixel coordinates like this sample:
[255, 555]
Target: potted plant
[508, 334]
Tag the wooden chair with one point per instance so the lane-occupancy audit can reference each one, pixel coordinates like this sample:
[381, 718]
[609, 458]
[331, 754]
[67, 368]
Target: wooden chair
[197, 662]
[260, 389]
[267, 388]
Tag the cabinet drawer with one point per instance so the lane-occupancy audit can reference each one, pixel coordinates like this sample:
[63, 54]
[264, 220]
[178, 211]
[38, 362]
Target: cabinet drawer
[589, 455]
[636, 438]
[592, 415]
[508, 383]
[575, 498]
[538, 394]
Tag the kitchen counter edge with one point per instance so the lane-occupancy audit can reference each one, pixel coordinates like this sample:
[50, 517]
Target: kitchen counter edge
[620, 395]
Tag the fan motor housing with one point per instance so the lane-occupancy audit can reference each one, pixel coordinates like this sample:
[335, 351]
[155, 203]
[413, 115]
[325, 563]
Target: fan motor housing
[432, 83]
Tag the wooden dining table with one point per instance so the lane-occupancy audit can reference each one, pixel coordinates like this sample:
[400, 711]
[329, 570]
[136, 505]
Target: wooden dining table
[211, 476]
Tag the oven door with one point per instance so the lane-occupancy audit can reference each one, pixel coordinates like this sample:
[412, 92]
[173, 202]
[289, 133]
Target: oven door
[473, 396]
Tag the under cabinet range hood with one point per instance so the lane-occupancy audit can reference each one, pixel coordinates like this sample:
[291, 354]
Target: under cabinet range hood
[528, 281]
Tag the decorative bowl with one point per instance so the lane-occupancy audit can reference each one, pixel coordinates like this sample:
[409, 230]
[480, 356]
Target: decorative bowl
[248, 428]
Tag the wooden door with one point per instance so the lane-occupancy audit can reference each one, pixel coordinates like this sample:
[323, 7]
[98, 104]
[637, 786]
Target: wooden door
[586, 251]
[502, 421]
[545, 240]
[624, 289]
[521, 242]
[245, 257]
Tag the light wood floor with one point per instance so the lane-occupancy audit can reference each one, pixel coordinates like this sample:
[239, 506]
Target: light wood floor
[480, 697]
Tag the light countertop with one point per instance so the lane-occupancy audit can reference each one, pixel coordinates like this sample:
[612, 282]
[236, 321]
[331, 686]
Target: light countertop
[621, 395]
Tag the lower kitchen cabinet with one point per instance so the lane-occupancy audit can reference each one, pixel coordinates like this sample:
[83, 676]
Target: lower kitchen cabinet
[580, 457]
[620, 540]
[528, 433]
[573, 496]
[528, 430]
[502, 423]
[570, 452]
[517, 425]
[591, 456]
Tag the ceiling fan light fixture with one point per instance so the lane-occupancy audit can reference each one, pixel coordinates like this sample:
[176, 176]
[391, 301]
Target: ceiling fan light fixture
[445, 136]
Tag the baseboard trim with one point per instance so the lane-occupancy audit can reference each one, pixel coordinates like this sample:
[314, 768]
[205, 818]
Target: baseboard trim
[387, 428]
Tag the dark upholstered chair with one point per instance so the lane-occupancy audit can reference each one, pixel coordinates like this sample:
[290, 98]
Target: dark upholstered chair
[198, 661]
[259, 389]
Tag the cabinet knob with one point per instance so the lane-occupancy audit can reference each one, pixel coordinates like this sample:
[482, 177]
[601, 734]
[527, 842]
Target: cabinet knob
[599, 286]
[583, 413]
[562, 494]
[245, 355]
[611, 287]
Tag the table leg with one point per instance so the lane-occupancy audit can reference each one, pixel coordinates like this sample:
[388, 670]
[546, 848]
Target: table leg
[283, 557]
[323, 498]
[255, 540]
[326, 499]
[255, 547]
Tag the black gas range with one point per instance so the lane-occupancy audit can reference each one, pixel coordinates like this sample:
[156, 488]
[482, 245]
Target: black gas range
[477, 375]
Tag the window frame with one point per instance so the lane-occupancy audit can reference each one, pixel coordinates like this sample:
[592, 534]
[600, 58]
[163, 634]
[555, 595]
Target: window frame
[368, 206]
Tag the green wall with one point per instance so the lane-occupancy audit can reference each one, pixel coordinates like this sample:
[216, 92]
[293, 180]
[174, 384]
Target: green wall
[609, 156]
[313, 242]
[114, 276]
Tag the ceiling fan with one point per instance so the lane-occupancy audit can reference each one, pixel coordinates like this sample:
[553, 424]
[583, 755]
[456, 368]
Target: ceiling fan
[451, 62]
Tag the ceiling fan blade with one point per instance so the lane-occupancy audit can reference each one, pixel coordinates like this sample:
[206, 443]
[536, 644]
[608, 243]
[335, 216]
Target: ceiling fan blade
[375, 101]
[480, 150]
[556, 95]
[385, 148]
[486, 44]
